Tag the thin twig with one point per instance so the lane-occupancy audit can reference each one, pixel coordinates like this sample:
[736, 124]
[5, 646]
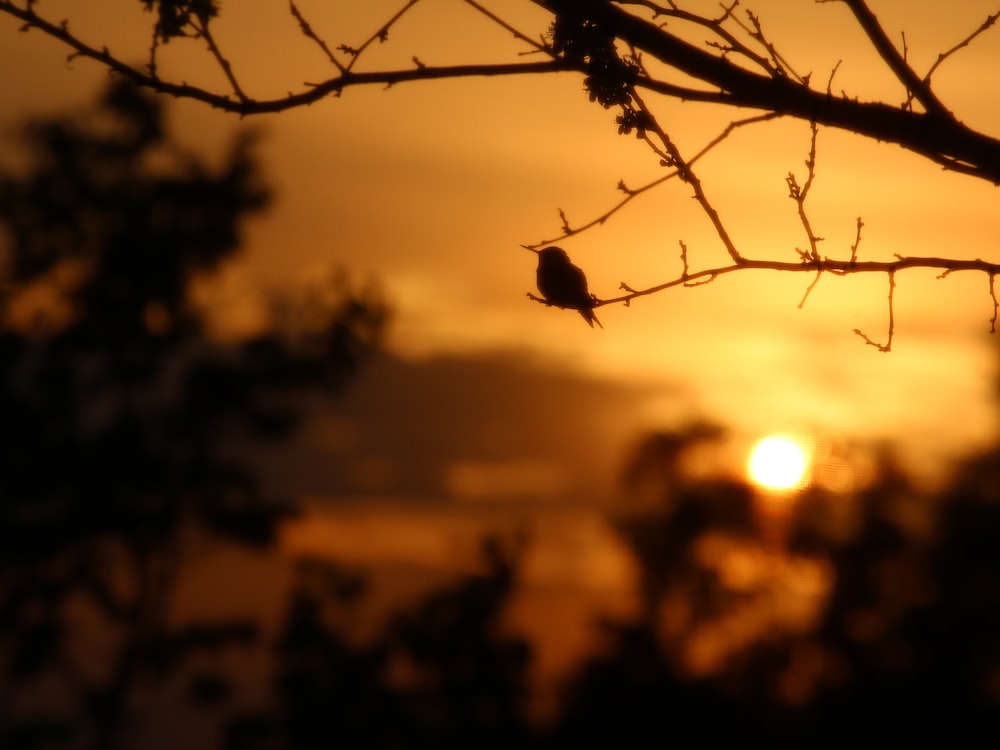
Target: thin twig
[307, 30]
[809, 289]
[500, 22]
[633, 193]
[780, 64]
[688, 175]
[800, 193]
[993, 296]
[729, 43]
[202, 28]
[857, 241]
[381, 35]
[887, 346]
[990, 20]
[829, 81]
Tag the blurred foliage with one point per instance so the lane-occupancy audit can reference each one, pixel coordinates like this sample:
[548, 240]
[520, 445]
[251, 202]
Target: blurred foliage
[863, 614]
[119, 410]
[900, 645]
[442, 675]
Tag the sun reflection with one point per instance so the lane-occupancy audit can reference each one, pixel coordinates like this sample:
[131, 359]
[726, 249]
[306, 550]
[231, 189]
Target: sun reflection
[778, 462]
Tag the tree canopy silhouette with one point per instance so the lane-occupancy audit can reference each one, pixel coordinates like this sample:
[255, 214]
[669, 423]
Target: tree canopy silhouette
[634, 57]
[120, 411]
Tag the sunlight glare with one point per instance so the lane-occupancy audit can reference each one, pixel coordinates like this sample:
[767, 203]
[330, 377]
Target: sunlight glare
[778, 462]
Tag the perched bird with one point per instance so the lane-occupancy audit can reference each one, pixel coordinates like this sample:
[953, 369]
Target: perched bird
[563, 284]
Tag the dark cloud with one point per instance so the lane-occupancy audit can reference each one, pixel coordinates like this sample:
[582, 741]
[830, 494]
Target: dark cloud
[488, 425]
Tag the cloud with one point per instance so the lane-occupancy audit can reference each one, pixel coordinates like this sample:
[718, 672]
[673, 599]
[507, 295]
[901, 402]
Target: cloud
[472, 428]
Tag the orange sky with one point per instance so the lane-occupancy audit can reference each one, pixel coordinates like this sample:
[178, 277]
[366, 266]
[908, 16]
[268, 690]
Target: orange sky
[432, 187]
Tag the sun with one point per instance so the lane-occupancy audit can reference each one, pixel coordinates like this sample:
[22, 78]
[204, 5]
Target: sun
[778, 462]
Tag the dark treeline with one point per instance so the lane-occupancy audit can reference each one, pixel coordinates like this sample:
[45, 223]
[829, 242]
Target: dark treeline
[119, 417]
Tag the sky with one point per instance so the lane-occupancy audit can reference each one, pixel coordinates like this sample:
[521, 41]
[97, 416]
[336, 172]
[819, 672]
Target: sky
[429, 189]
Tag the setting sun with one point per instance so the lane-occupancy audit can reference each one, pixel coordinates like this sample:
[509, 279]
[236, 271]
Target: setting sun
[778, 462]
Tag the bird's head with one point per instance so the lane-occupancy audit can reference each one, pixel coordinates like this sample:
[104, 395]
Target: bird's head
[550, 253]
[553, 254]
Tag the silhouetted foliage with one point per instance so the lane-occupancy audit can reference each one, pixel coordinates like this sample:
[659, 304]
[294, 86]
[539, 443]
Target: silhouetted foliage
[120, 411]
[328, 691]
[441, 675]
[903, 648]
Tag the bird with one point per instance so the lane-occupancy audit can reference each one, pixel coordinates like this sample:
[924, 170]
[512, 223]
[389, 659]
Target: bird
[563, 284]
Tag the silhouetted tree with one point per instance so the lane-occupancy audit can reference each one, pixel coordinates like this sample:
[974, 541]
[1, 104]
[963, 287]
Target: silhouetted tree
[926, 661]
[903, 648]
[442, 674]
[120, 413]
[470, 681]
[328, 691]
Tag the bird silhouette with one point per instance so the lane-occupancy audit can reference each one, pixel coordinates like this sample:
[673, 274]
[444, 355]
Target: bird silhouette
[563, 284]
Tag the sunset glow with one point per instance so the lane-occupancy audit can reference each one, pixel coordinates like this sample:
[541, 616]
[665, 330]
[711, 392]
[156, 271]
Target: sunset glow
[273, 343]
[778, 462]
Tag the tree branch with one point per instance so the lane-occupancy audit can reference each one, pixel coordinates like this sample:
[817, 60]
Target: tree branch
[940, 138]
[831, 265]
[983, 27]
[936, 136]
[736, 66]
[632, 193]
[914, 84]
[887, 346]
[306, 28]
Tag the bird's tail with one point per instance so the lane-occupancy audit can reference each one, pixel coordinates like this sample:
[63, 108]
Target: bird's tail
[588, 315]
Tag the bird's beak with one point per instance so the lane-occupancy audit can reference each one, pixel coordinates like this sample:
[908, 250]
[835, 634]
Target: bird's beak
[527, 247]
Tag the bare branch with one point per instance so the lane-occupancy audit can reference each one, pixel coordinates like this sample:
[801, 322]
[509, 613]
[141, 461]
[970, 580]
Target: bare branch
[567, 230]
[990, 20]
[685, 172]
[940, 138]
[857, 241]
[632, 193]
[308, 32]
[993, 296]
[829, 81]
[380, 35]
[202, 27]
[887, 346]
[896, 62]
[799, 195]
[812, 285]
[735, 65]
[944, 140]
[500, 22]
[756, 32]
[729, 43]
[826, 265]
